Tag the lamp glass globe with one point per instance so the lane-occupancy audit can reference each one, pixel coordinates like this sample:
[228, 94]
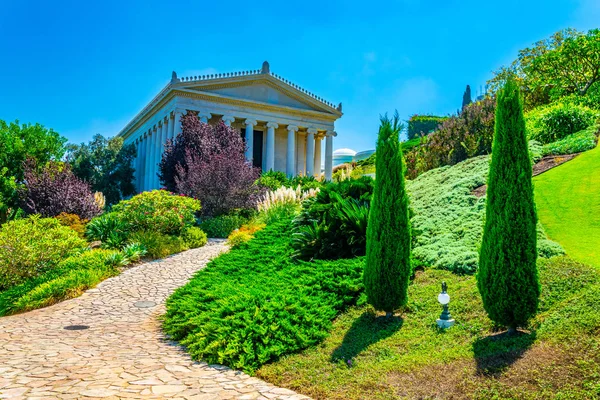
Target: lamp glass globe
[444, 298]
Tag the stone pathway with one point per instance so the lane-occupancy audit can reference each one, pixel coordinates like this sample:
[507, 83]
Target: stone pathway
[123, 354]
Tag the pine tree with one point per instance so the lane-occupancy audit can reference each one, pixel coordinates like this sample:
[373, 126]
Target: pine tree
[508, 278]
[466, 97]
[387, 268]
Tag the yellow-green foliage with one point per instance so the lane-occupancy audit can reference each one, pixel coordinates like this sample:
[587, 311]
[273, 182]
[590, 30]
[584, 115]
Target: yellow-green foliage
[158, 211]
[576, 143]
[69, 279]
[238, 237]
[73, 221]
[159, 245]
[31, 246]
[194, 237]
[245, 233]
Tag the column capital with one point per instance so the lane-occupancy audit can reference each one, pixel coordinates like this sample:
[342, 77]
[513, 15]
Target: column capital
[331, 133]
[292, 128]
[272, 125]
[205, 114]
[165, 120]
[159, 123]
[311, 131]
[228, 118]
[251, 122]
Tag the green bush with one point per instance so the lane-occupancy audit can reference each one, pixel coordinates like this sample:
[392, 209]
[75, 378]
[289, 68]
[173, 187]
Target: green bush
[556, 121]
[420, 125]
[333, 224]
[110, 229]
[221, 226]
[158, 245]
[578, 142]
[158, 211]
[273, 180]
[255, 304]
[387, 266]
[31, 246]
[508, 277]
[194, 237]
[447, 219]
[69, 279]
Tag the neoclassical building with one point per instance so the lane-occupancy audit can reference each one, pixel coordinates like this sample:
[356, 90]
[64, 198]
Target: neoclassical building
[283, 125]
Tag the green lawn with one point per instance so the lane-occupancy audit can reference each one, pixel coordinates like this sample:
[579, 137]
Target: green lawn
[369, 357]
[568, 203]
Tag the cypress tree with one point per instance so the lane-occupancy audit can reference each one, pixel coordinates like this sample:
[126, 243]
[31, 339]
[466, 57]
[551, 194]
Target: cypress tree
[466, 97]
[508, 278]
[387, 268]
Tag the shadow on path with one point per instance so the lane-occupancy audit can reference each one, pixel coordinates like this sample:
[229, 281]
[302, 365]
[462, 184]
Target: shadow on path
[496, 353]
[365, 331]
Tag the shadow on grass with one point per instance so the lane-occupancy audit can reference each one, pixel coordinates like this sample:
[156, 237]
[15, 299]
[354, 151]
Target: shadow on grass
[496, 353]
[365, 331]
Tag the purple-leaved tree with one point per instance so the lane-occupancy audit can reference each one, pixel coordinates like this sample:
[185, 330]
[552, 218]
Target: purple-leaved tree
[54, 189]
[207, 162]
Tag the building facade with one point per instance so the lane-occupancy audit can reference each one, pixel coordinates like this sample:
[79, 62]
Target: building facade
[283, 125]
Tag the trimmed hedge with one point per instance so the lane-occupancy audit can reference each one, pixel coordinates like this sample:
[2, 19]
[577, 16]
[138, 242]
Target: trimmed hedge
[255, 304]
[420, 125]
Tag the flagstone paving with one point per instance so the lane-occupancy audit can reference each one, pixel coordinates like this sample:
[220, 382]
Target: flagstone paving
[124, 353]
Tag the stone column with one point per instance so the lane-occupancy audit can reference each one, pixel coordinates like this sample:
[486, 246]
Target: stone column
[291, 150]
[204, 116]
[176, 123]
[310, 151]
[250, 124]
[271, 126]
[228, 119]
[318, 155]
[138, 164]
[161, 145]
[329, 154]
[154, 150]
[171, 119]
[147, 160]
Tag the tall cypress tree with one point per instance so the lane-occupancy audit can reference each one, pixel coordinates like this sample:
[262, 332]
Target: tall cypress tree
[466, 97]
[508, 278]
[387, 268]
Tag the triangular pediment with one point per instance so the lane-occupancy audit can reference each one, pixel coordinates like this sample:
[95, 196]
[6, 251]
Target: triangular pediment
[265, 90]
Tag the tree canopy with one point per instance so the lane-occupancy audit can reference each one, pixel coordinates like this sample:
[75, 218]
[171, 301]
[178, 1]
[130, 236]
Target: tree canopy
[568, 62]
[106, 163]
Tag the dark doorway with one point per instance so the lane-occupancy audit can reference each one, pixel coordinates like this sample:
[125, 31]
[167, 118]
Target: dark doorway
[257, 149]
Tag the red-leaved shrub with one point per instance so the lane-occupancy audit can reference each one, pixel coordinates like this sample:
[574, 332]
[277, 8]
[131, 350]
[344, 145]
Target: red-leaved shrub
[54, 189]
[207, 162]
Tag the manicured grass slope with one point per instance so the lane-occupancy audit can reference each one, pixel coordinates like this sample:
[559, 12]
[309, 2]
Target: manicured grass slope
[568, 203]
[410, 357]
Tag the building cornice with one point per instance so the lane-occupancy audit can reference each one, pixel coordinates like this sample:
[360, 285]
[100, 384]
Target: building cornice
[181, 87]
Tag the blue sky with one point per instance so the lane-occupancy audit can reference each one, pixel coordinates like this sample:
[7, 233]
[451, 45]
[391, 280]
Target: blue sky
[87, 67]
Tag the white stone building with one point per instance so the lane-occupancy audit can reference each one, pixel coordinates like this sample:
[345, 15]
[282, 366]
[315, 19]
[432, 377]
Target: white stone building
[283, 125]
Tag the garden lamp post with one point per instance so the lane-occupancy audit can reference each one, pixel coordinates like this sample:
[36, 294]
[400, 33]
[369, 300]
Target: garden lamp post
[445, 320]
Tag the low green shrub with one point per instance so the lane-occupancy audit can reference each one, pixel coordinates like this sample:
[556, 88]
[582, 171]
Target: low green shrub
[447, 221]
[221, 226]
[110, 229]
[273, 180]
[556, 121]
[194, 237]
[254, 304]
[69, 279]
[238, 237]
[133, 252]
[158, 210]
[31, 246]
[158, 245]
[578, 142]
[420, 125]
